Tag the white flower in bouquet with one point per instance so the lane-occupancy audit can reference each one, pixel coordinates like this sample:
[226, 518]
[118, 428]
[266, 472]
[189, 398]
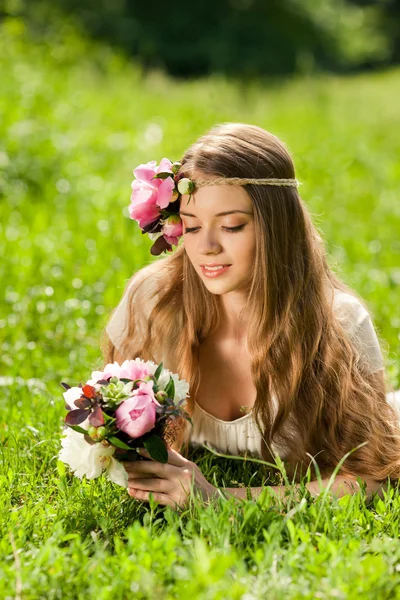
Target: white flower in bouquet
[91, 460]
[181, 386]
[74, 393]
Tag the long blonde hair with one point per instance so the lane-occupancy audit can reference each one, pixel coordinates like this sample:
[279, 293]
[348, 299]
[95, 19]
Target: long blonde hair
[299, 350]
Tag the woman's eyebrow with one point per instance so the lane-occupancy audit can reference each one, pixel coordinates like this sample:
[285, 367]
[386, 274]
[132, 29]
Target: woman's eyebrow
[221, 214]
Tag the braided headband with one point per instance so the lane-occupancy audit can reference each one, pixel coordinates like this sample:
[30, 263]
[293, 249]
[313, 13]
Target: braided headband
[244, 180]
[156, 192]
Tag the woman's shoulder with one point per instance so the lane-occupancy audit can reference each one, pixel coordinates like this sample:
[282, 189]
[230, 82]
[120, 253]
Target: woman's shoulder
[357, 322]
[145, 283]
[349, 310]
[148, 272]
[141, 288]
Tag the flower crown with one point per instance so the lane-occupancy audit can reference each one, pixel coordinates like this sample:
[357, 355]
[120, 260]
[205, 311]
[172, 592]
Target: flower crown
[155, 199]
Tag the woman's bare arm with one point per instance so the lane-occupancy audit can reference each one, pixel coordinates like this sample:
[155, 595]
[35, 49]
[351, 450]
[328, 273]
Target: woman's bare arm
[343, 484]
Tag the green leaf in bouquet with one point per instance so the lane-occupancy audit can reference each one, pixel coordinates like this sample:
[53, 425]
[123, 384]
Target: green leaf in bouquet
[108, 419]
[156, 448]
[158, 371]
[116, 442]
[170, 389]
[78, 429]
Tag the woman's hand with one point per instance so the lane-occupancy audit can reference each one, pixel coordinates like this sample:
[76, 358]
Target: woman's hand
[170, 483]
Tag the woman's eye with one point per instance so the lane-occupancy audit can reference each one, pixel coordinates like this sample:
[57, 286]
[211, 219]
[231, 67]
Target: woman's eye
[230, 229]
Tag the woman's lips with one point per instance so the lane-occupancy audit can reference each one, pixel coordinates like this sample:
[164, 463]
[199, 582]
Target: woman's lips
[214, 271]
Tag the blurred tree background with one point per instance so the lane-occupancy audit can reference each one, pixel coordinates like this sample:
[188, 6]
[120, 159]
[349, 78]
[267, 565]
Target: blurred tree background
[240, 38]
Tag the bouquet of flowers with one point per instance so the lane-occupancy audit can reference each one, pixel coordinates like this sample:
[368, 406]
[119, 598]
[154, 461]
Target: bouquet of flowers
[119, 409]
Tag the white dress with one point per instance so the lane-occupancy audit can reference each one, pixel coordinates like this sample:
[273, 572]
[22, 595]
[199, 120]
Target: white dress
[242, 435]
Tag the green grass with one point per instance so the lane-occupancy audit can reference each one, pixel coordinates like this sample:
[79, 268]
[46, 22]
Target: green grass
[76, 118]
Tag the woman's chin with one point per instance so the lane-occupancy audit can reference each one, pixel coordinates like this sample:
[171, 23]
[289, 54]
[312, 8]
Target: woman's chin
[220, 287]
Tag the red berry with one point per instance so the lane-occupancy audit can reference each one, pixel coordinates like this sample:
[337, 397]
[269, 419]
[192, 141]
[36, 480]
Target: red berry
[89, 391]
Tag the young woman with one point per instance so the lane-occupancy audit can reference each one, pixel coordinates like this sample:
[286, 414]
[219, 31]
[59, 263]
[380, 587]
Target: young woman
[248, 311]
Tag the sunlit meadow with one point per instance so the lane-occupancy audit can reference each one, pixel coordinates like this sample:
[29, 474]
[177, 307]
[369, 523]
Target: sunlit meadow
[75, 118]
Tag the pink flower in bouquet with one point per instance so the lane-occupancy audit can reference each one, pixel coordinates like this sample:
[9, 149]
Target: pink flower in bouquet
[172, 229]
[137, 415]
[130, 369]
[150, 195]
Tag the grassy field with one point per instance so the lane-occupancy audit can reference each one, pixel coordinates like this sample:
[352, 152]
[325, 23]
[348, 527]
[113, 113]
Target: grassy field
[75, 118]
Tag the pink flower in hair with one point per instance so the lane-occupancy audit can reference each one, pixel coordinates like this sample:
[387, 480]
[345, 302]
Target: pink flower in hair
[150, 195]
[172, 229]
[144, 213]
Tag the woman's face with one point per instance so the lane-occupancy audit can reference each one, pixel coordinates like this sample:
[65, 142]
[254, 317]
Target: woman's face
[212, 238]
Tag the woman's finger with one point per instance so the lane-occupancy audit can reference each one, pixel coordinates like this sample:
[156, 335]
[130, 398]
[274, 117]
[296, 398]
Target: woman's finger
[150, 466]
[152, 485]
[158, 497]
[133, 475]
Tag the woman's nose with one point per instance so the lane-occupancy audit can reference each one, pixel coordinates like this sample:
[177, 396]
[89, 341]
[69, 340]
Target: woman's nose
[208, 242]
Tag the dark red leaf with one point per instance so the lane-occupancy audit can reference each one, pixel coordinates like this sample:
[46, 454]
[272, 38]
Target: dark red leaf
[82, 403]
[89, 440]
[153, 227]
[160, 245]
[89, 391]
[74, 417]
[96, 417]
[104, 381]
[65, 386]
